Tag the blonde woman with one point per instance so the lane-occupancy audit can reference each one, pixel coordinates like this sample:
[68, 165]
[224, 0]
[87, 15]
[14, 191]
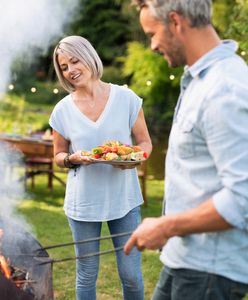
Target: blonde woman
[93, 112]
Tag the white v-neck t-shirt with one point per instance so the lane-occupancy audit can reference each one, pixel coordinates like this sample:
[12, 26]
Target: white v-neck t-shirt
[99, 192]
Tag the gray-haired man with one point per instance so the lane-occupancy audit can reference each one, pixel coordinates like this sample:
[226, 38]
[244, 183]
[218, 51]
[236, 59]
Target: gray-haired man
[204, 233]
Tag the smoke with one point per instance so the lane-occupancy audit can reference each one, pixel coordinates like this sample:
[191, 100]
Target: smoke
[12, 187]
[29, 25]
[25, 26]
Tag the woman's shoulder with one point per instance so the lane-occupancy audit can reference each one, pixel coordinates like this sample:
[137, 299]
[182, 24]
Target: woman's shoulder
[63, 103]
[124, 91]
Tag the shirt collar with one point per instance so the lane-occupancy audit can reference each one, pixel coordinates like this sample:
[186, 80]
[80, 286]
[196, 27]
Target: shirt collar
[225, 49]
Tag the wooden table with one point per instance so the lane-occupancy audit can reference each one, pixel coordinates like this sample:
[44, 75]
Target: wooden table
[30, 147]
[36, 152]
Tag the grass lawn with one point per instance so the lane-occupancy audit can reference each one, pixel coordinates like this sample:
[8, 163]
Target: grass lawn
[43, 210]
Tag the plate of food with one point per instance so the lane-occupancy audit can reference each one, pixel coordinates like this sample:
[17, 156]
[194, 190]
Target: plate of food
[117, 162]
[117, 153]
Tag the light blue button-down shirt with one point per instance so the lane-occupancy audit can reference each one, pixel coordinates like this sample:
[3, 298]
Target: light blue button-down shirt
[208, 158]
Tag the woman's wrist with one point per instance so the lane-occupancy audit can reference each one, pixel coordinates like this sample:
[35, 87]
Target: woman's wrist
[68, 164]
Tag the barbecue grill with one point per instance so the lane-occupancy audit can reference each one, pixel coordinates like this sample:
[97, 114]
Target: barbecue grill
[29, 279]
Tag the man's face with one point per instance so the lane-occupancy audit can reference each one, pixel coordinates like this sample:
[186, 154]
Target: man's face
[163, 40]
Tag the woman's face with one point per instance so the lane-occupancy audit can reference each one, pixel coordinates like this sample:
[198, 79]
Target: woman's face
[74, 70]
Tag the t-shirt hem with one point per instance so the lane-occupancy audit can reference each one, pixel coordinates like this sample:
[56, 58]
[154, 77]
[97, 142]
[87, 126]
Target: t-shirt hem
[103, 219]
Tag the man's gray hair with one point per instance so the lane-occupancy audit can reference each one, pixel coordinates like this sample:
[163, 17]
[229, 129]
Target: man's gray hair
[198, 12]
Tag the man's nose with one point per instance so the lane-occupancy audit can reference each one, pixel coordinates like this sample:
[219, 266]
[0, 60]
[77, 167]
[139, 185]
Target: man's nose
[154, 46]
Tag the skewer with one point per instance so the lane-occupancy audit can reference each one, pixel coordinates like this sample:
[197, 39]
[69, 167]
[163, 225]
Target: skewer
[24, 281]
[86, 241]
[26, 255]
[81, 257]
[74, 243]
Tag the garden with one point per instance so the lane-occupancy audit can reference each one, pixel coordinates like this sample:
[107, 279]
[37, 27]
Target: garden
[43, 210]
[30, 91]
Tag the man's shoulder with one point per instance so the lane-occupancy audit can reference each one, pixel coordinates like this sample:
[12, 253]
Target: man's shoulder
[226, 74]
[229, 67]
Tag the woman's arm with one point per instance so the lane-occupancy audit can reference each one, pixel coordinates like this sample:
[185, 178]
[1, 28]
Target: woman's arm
[61, 148]
[61, 151]
[141, 134]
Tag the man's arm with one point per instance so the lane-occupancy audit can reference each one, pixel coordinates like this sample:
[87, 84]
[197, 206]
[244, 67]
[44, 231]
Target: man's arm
[153, 233]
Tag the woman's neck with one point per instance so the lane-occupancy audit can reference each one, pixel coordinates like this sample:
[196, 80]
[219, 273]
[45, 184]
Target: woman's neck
[90, 94]
[90, 91]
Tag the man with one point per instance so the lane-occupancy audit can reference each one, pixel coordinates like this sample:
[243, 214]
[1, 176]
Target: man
[204, 233]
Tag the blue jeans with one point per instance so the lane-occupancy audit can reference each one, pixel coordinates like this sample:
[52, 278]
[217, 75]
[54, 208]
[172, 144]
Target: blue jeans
[129, 267]
[185, 284]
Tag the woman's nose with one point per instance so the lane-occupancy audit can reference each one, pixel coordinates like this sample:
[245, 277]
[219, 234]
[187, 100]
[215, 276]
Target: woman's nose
[71, 68]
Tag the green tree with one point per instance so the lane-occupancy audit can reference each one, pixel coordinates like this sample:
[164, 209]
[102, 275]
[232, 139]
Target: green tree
[238, 28]
[230, 20]
[152, 79]
[222, 16]
[136, 32]
[104, 25]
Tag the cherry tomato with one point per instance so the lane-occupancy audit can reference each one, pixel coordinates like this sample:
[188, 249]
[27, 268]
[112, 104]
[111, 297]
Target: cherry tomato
[114, 149]
[145, 154]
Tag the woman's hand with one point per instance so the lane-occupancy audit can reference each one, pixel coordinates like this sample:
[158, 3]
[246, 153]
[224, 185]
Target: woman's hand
[78, 158]
[127, 166]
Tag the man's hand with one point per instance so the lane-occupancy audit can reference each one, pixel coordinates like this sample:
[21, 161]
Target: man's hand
[149, 234]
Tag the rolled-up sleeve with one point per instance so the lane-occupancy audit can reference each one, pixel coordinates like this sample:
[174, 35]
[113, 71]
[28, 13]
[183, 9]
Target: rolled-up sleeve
[226, 130]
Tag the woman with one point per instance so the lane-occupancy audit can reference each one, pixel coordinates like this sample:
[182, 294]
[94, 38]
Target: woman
[93, 113]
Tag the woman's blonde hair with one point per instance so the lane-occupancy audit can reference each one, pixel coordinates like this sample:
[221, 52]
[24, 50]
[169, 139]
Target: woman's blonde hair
[82, 49]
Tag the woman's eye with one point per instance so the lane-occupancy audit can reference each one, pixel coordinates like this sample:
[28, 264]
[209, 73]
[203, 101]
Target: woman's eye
[63, 69]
